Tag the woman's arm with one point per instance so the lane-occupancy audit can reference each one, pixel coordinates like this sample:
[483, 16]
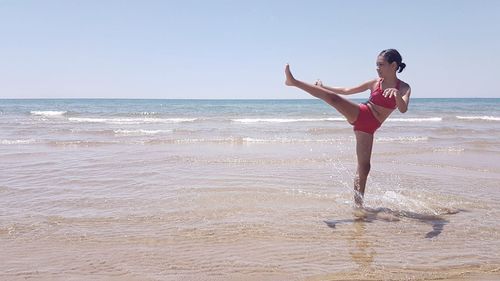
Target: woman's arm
[402, 97]
[348, 91]
[402, 101]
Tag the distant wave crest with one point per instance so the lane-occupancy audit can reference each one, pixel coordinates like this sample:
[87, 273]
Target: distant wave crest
[487, 118]
[284, 120]
[14, 142]
[426, 119]
[130, 121]
[140, 132]
[47, 113]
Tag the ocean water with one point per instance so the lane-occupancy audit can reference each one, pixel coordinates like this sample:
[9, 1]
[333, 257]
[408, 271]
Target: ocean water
[245, 190]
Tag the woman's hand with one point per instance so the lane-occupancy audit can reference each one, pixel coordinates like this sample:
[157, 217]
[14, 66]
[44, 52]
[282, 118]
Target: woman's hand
[391, 92]
[318, 83]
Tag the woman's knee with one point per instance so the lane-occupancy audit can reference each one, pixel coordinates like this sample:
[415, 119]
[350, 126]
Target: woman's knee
[364, 168]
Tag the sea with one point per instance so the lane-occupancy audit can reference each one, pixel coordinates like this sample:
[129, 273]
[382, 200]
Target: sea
[132, 189]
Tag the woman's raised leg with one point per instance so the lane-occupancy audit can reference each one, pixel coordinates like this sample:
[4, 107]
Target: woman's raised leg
[347, 108]
[364, 145]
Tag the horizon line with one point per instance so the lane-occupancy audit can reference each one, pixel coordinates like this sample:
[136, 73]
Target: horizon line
[79, 98]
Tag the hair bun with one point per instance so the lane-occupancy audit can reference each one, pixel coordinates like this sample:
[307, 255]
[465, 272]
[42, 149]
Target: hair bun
[401, 67]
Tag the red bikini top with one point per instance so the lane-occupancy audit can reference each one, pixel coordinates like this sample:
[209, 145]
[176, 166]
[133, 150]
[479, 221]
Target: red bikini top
[377, 98]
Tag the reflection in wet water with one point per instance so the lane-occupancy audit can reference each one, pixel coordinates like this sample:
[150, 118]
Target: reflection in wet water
[362, 251]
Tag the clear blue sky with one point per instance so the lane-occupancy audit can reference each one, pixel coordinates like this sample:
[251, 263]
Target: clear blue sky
[237, 49]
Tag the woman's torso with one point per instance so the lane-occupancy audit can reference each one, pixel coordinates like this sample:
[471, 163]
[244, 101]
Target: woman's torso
[382, 112]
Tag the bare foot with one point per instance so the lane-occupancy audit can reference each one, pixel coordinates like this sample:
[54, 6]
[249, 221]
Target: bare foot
[359, 212]
[289, 81]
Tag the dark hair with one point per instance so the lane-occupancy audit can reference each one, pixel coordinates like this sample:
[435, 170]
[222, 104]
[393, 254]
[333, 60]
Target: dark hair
[392, 55]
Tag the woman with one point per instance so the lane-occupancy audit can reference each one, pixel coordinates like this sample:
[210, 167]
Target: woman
[387, 94]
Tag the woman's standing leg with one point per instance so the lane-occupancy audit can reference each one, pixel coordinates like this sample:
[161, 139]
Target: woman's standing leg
[364, 144]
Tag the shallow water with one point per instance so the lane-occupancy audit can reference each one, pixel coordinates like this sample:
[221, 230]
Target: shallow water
[242, 190]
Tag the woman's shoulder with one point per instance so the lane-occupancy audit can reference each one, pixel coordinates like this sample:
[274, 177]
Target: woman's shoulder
[373, 83]
[403, 85]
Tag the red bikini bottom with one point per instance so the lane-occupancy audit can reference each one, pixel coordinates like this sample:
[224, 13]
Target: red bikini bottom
[366, 121]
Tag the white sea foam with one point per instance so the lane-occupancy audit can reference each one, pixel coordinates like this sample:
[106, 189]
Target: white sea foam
[285, 120]
[239, 140]
[451, 149]
[487, 118]
[408, 203]
[10, 142]
[410, 139]
[285, 140]
[48, 113]
[83, 143]
[428, 119]
[140, 132]
[130, 121]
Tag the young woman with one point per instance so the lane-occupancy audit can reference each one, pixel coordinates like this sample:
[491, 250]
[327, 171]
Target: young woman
[387, 94]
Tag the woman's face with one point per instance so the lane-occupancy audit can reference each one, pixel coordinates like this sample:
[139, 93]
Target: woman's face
[384, 69]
